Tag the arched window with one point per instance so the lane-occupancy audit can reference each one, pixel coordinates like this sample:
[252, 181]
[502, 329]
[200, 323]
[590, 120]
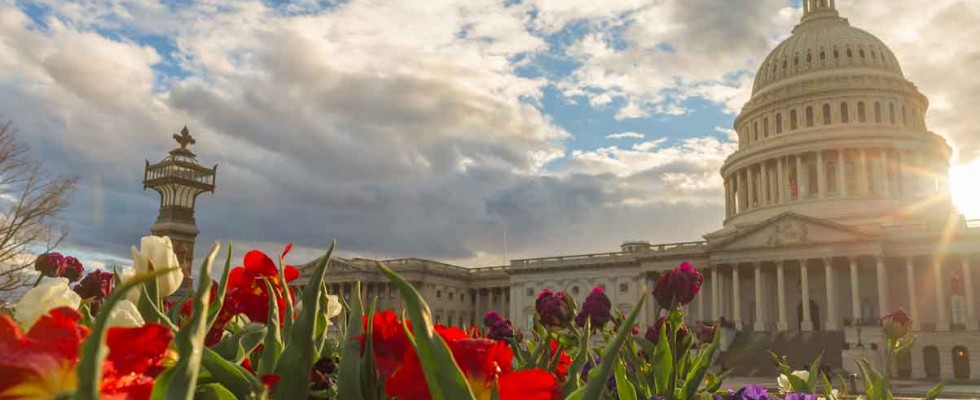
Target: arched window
[826, 114]
[891, 113]
[809, 58]
[844, 116]
[779, 123]
[809, 117]
[862, 113]
[792, 120]
[861, 53]
[755, 128]
[765, 125]
[823, 55]
[850, 53]
[836, 54]
[877, 112]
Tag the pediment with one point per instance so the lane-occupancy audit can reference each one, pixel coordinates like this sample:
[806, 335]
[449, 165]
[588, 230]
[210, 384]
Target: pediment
[790, 230]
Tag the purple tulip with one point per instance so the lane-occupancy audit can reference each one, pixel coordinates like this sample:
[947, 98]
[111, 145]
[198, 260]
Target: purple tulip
[597, 308]
[50, 264]
[491, 319]
[678, 287]
[503, 329]
[73, 269]
[706, 333]
[554, 309]
[653, 332]
[95, 287]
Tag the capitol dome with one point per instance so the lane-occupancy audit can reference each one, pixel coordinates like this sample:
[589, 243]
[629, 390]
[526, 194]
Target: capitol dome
[833, 130]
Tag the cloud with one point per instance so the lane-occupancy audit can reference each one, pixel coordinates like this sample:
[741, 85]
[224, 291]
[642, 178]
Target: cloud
[625, 135]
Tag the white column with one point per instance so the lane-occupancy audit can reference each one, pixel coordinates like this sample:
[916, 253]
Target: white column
[750, 178]
[782, 179]
[885, 176]
[512, 306]
[743, 197]
[805, 283]
[883, 307]
[737, 299]
[760, 317]
[766, 199]
[971, 311]
[799, 176]
[832, 319]
[943, 318]
[821, 175]
[702, 314]
[913, 296]
[841, 180]
[715, 286]
[855, 292]
[782, 324]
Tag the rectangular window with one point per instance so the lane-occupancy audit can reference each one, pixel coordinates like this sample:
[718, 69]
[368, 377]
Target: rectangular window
[438, 294]
[530, 292]
[624, 287]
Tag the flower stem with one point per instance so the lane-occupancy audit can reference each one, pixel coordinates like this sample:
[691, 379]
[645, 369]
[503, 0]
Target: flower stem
[38, 281]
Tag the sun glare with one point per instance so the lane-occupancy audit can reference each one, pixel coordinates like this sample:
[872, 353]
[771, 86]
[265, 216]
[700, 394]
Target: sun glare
[964, 181]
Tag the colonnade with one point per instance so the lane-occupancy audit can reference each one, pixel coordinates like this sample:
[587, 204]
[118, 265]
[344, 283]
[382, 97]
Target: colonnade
[851, 172]
[461, 307]
[941, 271]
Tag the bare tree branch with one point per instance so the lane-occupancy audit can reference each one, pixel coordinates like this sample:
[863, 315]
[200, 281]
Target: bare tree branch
[30, 201]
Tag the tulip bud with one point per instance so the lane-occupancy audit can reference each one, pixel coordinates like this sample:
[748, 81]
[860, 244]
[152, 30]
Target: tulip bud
[491, 319]
[596, 308]
[501, 330]
[896, 324]
[554, 309]
[73, 269]
[95, 286]
[678, 287]
[706, 333]
[653, 332]
[50, 264]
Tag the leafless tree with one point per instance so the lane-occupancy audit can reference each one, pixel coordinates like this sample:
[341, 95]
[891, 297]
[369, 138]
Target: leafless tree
[30, 201]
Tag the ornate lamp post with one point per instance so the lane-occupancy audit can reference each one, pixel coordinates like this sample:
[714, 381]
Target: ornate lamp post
[179, 179]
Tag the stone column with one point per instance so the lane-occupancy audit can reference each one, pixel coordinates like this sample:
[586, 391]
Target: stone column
[715, 287]
[885, 175]
[760, 322]
[805, 283]
[913, 296]
[832, 319]
[766, 195]
[943, 318]
[883, 306]
[971, 311]
[855, 292]
[737, 299]
[862, 184]
[750, 179]
[781, 325]
[743, 197]
[780, 166]
[702, 314]
[841, 179]
[821, 175]
[799, 177]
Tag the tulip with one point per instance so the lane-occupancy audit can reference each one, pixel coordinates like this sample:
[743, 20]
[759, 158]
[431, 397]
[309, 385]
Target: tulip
[158, 252]
[706, 333]
[678, 287]
[653, 332]
[95, 287]
[501, 330]
[73, 269]
[50, 294]
[554, 309]
[784, 384]
[896, 324]
[491, 318]
[125, 315]
[597, 308]
[51, 265]
[332, 309]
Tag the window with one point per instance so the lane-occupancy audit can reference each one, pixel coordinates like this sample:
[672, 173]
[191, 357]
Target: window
[844, 117]
[877, 112]
[826, 114]
[391, 295]
[530, 292]
[438, 318]
[809, 58]
[891, 113]
[462, 297]
[765, 126]
[779, 123]
[451, 295]
[850, 54]
[438, 294]
[450, 321]
[755, 128]
[861, 52]
[836, 54]
[575, 290]
[792, 120]
[862, 113]
[823, 55]
[624, 287]
[809, 117]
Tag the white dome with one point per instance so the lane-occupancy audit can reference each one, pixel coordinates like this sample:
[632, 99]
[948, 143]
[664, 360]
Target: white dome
[825, 42]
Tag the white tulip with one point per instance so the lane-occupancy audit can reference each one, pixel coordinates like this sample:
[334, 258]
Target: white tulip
[783, 382]
[333, 308]
[160, 252]
[125, 315]
[50, 294]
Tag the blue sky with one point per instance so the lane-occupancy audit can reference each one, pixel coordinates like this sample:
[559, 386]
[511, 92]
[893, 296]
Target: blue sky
[426, 128]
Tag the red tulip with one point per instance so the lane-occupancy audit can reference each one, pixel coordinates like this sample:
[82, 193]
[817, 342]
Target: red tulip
[247, 293]
[896, 324]
[389, 341]
[564, 361]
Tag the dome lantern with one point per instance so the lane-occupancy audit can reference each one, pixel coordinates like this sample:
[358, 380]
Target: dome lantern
[813, 9]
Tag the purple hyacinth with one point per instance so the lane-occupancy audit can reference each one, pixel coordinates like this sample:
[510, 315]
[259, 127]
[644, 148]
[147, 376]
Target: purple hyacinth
[597, 308]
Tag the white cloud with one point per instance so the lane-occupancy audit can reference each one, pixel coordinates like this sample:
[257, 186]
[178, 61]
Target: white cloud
[625, 135]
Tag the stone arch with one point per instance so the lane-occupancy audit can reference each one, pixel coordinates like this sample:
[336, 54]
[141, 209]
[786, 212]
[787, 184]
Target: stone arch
[827, 119]
[793, 120]
[877, 112]
[809, 116]
[903, 364]
[779, 123]
[862, 112]
[961, 362]
[845, 117]
[930, 362]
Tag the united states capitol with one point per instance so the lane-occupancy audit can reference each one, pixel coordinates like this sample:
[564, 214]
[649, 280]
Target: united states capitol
[837, 212]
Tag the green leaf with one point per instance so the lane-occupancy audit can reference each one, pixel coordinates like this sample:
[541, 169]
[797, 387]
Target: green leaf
[624, 388]
[442, 374]
[349, 372]
[811, 383]
[178, 382]
[593, 388]
[213, 391]
[236, 379]
[89, 371]
[149, 296]
[663, 365]
[828, 389]
[370, 386]
[904, 344]
[575, 370]
[282, 278]
[297, 360]
[698, 369]
[272, 346]
[936, 391]
[219, 297]
[238, 346]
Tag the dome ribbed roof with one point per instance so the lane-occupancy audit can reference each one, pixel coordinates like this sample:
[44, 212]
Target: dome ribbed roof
[823, 44]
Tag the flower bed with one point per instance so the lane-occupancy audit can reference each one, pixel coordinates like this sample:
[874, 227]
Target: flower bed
[249, 334]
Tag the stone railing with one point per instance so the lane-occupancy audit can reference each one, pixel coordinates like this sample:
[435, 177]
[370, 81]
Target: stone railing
[973, 224]
[601, 256]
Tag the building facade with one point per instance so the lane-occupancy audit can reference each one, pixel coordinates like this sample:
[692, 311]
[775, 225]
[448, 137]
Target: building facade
[837, 212]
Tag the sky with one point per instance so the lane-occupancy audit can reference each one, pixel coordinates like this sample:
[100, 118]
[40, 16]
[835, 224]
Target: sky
[431, 129]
